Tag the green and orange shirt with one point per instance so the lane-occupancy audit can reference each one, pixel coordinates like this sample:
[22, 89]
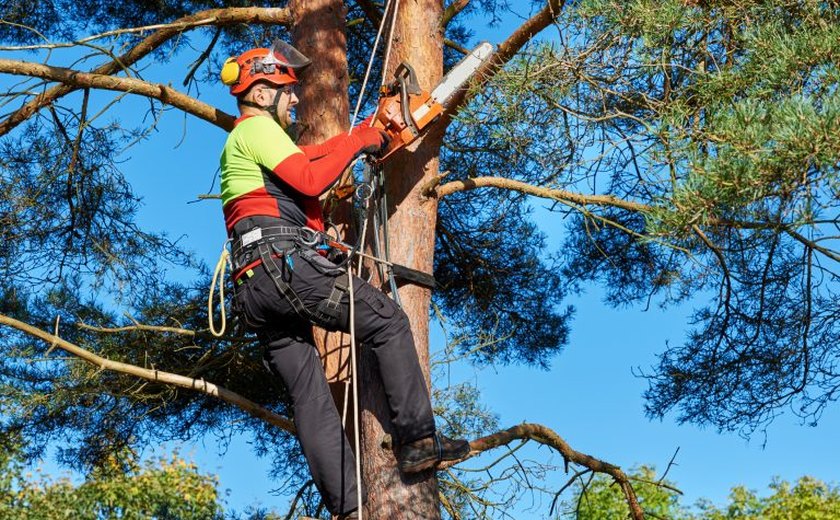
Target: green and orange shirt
[265, 174]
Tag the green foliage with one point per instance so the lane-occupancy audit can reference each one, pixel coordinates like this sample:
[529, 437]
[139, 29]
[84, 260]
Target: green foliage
[808, 499]
[502, 298]
[499, 286]
[600, 499]
[163, 489]
[720, 119]
[712, 123]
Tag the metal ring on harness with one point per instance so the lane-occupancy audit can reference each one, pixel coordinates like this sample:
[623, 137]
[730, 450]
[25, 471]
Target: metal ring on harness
[309, 237]
[364, 192]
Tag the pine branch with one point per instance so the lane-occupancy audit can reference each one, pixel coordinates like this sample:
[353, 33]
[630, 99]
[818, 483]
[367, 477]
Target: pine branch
[431, 189]
[548, 437]
[157, 376]
[506, 51]
[216, 17]
[72, 79]
[452, 11]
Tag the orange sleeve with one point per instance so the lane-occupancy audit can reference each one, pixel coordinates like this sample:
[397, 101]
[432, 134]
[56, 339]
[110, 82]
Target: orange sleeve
[314, 177]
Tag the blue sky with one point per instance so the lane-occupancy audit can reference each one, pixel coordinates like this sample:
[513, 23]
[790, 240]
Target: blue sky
[589, 397]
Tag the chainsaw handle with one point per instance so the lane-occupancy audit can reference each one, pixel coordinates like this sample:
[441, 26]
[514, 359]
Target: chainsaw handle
[407, 79]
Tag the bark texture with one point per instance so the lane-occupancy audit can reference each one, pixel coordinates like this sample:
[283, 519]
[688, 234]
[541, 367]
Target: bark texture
[324, 111]
[418, 40]
[318, 31]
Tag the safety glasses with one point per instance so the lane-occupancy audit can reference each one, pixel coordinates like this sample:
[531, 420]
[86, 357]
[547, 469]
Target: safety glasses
[290, 89]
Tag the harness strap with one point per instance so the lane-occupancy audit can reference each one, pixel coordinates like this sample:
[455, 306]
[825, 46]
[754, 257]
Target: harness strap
[273, 234]
[332, 305]
[277, 276]
[327, 310]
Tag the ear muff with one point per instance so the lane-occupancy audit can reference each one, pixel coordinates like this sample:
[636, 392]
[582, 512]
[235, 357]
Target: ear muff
[230, 72]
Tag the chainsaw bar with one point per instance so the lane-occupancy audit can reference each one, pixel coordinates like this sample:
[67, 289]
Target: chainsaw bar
[405, 110]
[461, 73]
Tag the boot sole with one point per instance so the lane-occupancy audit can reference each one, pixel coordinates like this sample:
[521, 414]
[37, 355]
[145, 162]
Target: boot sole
[430, 462]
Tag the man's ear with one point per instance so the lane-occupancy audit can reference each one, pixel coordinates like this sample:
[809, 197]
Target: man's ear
[252, 94]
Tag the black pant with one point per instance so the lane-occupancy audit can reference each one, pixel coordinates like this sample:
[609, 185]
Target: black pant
[290, 353]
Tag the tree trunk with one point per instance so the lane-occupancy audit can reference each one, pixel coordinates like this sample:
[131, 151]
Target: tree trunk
[318, 31]
[418, 40]
[324, 111]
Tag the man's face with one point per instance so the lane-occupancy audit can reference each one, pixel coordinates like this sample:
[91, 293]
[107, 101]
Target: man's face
[285, 98]
[286, 101]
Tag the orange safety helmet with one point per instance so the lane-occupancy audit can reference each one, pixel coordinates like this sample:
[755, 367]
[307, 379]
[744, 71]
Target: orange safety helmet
[276, 65]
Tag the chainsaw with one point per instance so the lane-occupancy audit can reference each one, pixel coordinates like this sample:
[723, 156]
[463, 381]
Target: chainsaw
[406, 111]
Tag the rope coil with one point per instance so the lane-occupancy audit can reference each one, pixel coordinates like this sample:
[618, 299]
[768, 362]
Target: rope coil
[219, 280]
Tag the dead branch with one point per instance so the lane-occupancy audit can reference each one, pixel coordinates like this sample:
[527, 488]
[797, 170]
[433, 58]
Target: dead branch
[431, 188]
[535, 432]
[99, 36]
[217, 17]
[139, 327]
[658, 483]
[202, 58]
[157, 376]
[72, 79]
[456, 46]
[810, 244]
[671, 464]
[547, 437]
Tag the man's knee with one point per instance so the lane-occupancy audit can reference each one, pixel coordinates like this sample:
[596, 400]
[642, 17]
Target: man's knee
[299, 366]
[377, 314]
[275, 348]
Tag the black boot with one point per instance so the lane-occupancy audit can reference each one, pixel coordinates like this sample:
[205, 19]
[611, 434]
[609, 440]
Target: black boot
[352, 515]
[425, 453]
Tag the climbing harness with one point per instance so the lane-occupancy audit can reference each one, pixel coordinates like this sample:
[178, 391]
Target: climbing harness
[263, 246]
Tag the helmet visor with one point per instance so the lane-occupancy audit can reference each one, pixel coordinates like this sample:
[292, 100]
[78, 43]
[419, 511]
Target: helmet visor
[285, 55]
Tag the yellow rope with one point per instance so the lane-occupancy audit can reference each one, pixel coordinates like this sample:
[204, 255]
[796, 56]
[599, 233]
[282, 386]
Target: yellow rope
[218, 279]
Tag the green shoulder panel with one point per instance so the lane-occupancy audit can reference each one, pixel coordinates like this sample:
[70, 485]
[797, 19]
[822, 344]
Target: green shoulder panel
[254, 143]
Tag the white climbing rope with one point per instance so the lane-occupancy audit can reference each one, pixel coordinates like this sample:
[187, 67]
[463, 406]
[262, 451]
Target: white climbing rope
[385, 13]
[353, 347]
[355, 380]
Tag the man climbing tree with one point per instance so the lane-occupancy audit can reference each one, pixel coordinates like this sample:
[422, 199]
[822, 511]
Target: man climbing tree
[688, 149]
[270, 190]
